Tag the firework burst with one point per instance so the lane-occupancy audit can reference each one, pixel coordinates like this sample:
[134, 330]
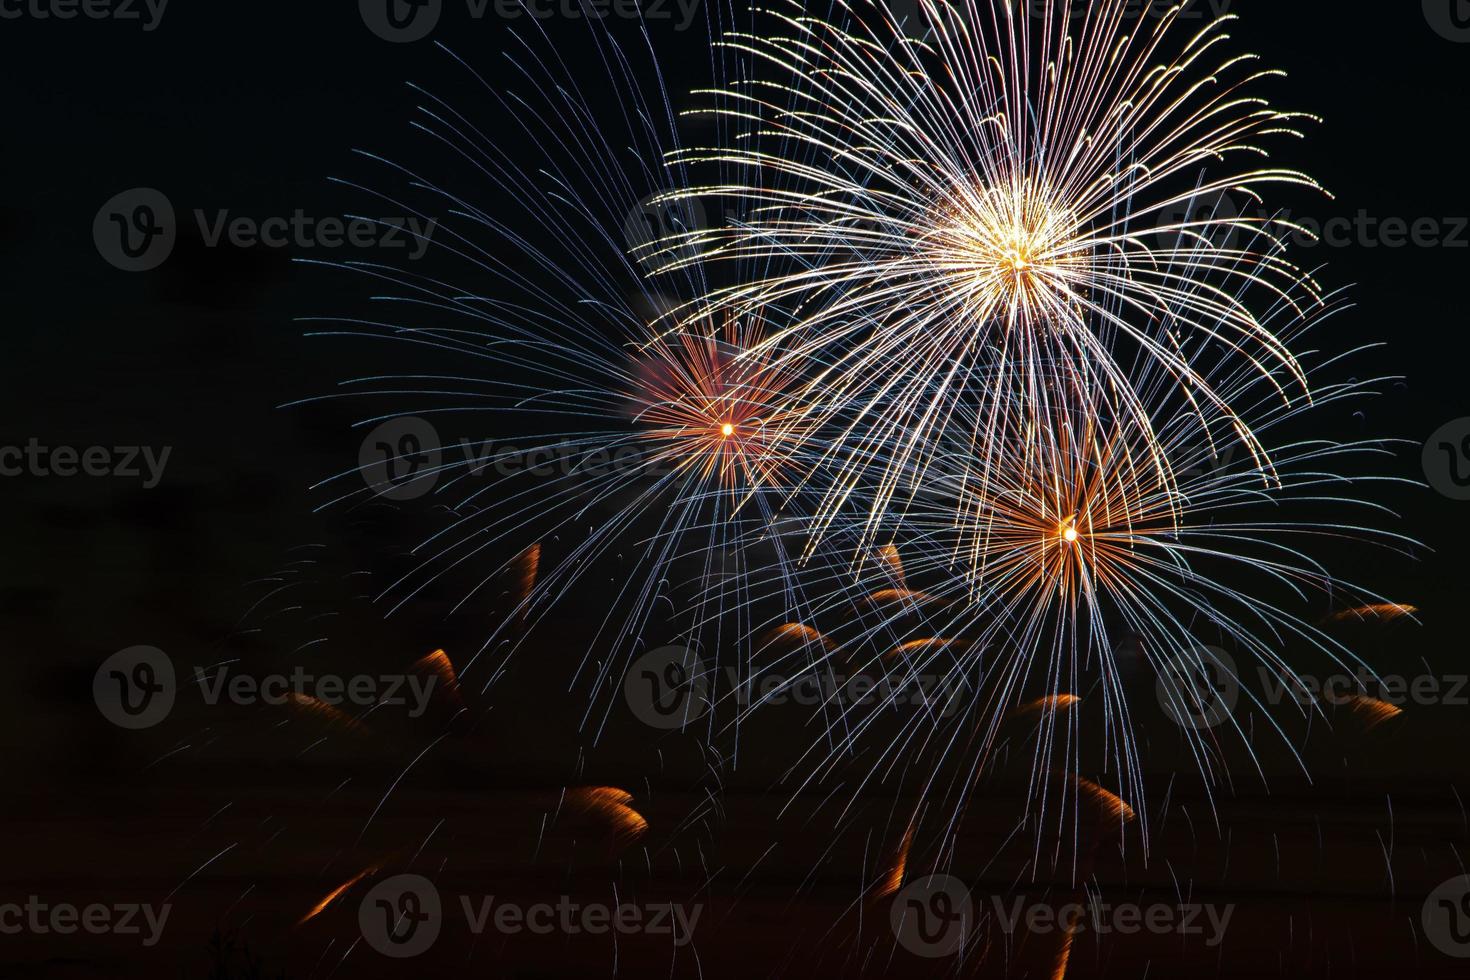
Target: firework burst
[994, 213]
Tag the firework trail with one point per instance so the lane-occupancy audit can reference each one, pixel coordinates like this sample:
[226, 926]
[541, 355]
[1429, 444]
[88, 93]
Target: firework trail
[990, 214]
[673, 453]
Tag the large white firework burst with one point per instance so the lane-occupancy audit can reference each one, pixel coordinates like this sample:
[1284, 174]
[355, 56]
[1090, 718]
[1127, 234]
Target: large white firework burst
[997, 204]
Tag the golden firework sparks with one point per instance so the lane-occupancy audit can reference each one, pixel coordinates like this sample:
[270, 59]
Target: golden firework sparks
[611, 805]
[337, 893]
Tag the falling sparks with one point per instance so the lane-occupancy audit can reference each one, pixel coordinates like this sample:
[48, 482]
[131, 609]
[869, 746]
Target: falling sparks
[319, 710]
[893, 879]
[1384, 612]
[1371, 711]
[611, 805]
[337, 893]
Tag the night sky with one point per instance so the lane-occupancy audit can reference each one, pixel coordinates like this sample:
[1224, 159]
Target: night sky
[253, 108]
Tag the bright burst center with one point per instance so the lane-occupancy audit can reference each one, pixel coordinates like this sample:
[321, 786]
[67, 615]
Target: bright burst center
[1069, 535]
[727, 430]
[1005, 247]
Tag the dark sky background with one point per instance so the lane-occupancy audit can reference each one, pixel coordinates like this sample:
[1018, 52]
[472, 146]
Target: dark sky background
[251, 107]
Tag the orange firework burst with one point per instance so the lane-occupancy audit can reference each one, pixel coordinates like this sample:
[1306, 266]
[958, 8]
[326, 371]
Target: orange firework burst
[1047, 705]
[1111, 804]
[439, 665]
[1371, 711]
[611, 805]
[718, 407]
